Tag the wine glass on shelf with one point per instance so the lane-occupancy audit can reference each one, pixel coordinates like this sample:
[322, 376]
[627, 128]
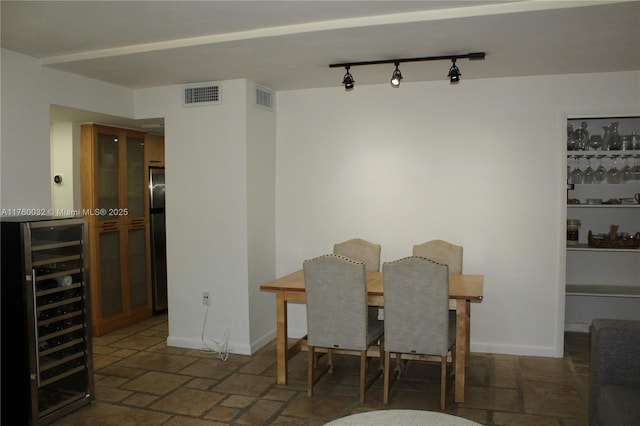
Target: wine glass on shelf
[627, 170]
[636, 167]
[613, 174]
[576, 174]
[601, 172]
[589, 173]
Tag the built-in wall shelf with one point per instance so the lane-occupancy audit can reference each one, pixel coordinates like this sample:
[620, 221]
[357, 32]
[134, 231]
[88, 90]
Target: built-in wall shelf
[604, 290]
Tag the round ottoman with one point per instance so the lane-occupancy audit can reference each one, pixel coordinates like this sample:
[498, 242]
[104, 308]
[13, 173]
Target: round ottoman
[402, 417]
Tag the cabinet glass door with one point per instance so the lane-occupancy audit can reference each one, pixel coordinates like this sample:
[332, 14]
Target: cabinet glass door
[135, 177]
[107, 176]
[110, 289]
[138, 268]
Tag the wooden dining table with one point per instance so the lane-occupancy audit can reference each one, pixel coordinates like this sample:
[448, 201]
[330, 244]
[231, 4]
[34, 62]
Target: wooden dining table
[463, 289]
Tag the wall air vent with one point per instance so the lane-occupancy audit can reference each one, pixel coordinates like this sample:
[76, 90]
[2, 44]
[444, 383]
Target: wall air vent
[264, 98]
[202, 94]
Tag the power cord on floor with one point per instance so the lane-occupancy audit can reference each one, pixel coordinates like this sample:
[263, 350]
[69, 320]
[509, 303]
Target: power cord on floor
[222, 345]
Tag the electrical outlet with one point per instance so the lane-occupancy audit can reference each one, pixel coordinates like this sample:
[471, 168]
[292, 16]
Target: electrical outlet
[205, 298]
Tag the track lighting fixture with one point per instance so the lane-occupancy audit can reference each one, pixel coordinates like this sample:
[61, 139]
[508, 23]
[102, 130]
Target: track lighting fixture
[396, 77]
[454, 71]
[348, 80]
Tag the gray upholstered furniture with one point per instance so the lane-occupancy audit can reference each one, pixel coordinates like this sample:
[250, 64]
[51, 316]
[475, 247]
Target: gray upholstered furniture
[337, 315]
[451, 255]
[417, 319]
[442, 252]
[361, 250]
[614, 378]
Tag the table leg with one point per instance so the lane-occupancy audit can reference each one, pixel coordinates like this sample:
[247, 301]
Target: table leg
[461, 347]
[281, 337]
[468, 332]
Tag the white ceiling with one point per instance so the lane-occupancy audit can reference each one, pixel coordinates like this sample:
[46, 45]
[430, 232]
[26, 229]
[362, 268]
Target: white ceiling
[285, 45]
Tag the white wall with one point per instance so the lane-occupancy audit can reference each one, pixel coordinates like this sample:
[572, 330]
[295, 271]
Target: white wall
[219, 160]
[479, 164]
[210, 238]
[28, 90]
[261, 221]
[65, 162]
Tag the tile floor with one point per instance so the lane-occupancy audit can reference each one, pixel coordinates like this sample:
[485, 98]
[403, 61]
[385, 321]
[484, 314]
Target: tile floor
[141, 381]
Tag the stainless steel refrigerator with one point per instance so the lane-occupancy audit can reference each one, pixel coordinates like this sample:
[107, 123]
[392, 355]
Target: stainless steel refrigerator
[158, 239]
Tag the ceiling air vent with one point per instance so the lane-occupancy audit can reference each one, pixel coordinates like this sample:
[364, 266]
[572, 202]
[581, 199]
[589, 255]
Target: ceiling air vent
[201, 94]
[264, 98]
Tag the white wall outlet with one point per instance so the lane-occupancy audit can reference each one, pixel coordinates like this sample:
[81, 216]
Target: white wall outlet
[205, 298]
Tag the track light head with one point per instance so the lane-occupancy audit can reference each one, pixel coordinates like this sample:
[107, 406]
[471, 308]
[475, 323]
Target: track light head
[348, 80]
[396, 77]
[454, 73]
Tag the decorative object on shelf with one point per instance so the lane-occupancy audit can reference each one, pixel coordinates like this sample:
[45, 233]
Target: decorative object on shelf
[614, 239]
[573, 228]
[595, 142]
[616, 140]
[571, 142]
[635, 140]
[582, 137]
[454, 72]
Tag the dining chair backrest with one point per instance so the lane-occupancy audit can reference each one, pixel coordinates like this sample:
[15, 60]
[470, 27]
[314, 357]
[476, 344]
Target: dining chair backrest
[336, 298]
[416, 304]
[442, 252]
[361, 250]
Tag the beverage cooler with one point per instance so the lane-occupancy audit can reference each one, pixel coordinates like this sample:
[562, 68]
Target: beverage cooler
[47, 367]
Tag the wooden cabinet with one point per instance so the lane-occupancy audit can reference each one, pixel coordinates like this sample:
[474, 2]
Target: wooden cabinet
[115, 202]
[154, 150]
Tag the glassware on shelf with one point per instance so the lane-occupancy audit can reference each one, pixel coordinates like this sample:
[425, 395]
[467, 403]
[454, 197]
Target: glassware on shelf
[606, 138]
[589, 173]
[613, 174]
[577, 175]
[635, 141]
[582, 137]
[601, 172]
[571, 142]
[615, 142]
[627, 170]
[636, 167]
[595, 142]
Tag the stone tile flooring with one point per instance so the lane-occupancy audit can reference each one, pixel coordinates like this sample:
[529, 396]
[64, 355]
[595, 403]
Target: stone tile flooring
[141, 381]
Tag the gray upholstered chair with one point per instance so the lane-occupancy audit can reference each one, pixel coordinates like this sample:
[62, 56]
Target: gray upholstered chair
[441, 252]
[417, 320]
[337, 316]
[361, 250]
[451, 255]
[614, 373]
